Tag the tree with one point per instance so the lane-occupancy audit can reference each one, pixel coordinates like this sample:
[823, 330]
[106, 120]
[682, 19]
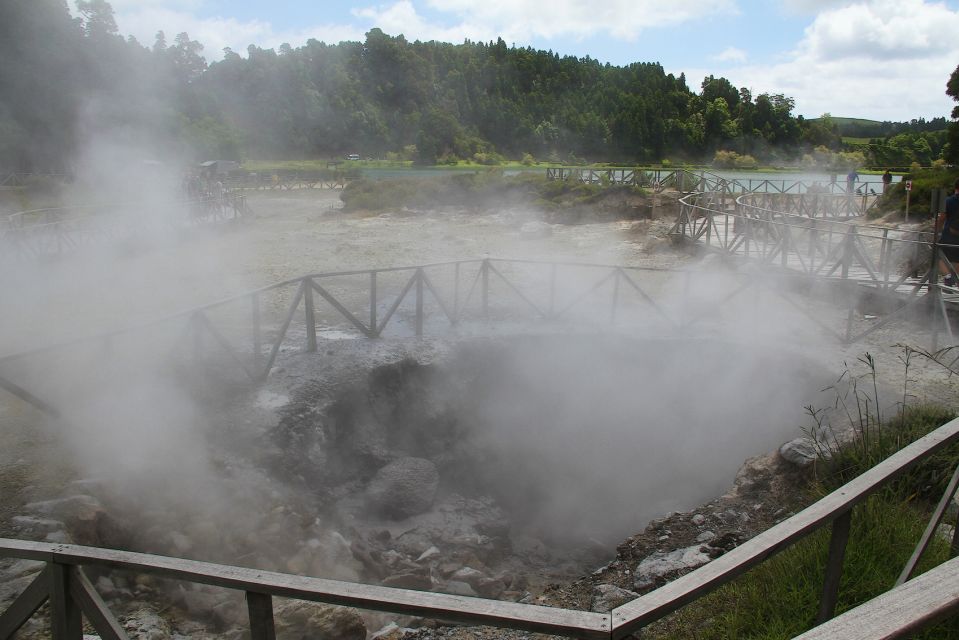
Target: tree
[952, 90]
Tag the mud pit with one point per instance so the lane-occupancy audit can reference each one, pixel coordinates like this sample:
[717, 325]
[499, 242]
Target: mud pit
[543, 447]
[494, 466]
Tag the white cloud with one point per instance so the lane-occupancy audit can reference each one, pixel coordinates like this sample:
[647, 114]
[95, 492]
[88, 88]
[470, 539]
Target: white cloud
[143, 19]
[883, 59]
[731, 54]
[526, 20]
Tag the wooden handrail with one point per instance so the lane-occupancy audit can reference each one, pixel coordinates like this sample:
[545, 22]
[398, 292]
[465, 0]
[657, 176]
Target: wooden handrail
[653, 606]
[621, 622]
[469, 610]
[898, 613]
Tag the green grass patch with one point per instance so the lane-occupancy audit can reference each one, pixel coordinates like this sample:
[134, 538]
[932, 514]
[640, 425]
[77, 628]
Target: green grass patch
[779, 599]
[468, 189]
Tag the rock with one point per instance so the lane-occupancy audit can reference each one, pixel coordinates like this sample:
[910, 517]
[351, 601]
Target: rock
[535, 229]
[801, 452]
[457, 588]
[146, 624]
[489, 588]
[607, 597]
[403, 488]
[698, 520]
[705, 536]
[417, 581]
[20, 569]
[467, 575]
[86, 520]
[429, 554]
[756, 475]
[32, 524]
[295, 619]
[414, 542]
[661, 564]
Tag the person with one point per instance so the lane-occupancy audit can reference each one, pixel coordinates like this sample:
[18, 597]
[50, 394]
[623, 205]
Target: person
[947, 222]
[886, 181]
[851, 178]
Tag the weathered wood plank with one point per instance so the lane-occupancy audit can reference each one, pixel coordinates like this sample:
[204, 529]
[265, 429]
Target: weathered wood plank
[930, 531]
[94, 608]
[260, 609]
[898, 613]
[463, 609]
[26, 604]
[27, 550]
[653, 606]
[837, 553]
[65, 620]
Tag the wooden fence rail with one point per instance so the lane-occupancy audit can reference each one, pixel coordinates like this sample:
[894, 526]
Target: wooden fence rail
[72, 596]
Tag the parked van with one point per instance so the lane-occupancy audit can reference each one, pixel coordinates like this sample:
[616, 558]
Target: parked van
[353, 156]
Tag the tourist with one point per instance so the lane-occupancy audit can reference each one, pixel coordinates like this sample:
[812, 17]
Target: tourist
[886, 181]
[851, 178]
[948, 224]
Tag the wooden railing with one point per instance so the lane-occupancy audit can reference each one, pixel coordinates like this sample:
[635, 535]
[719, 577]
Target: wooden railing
[700, 180]
[42, 233]
[72, 596]
[816, 241]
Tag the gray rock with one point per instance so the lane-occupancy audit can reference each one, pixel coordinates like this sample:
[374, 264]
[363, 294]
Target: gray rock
[146, 624]
[429, 554]
[607, 597]
[468, 575]
[32, 524]
[457, 588]
[296, 619]
[706, 536]
[403, 488]
[660, 564]
[698, 520]
[801, 452]
[489, 588]
[417, 581]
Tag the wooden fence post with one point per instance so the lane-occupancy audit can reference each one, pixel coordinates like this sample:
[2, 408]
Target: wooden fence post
[310, 314]
[66, 622]
[615, 300]
[837, 552]
[485, 274]
[257, 334]
[373, 302]
[260, 609]
[419, 303]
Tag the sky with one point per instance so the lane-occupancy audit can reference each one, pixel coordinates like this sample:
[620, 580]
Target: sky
[876, 59]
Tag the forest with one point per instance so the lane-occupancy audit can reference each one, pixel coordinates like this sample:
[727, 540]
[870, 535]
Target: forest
[68, 78]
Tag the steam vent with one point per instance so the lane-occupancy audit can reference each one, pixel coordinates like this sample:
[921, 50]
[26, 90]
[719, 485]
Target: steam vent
[398, 339]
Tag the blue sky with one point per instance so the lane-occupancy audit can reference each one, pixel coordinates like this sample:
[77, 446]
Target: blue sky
[880, 59]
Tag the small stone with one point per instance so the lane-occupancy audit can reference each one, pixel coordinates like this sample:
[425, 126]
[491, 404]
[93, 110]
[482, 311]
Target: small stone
[429, 554]
[417, 581]
[801, 452]
[699, 520]
[661, 564]
[705, 536]
[457, 588]
[607, 597]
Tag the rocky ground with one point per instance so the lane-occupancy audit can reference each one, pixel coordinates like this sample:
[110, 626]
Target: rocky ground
[387, 513]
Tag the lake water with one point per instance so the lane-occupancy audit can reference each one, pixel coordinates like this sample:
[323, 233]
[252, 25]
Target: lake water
[747, 178]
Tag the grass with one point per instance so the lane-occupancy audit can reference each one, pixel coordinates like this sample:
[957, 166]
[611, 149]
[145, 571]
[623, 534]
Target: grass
[779, 598]
[487, 186]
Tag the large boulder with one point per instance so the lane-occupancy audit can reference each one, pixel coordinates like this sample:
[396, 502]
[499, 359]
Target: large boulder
[403, 488]
[296, 619]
